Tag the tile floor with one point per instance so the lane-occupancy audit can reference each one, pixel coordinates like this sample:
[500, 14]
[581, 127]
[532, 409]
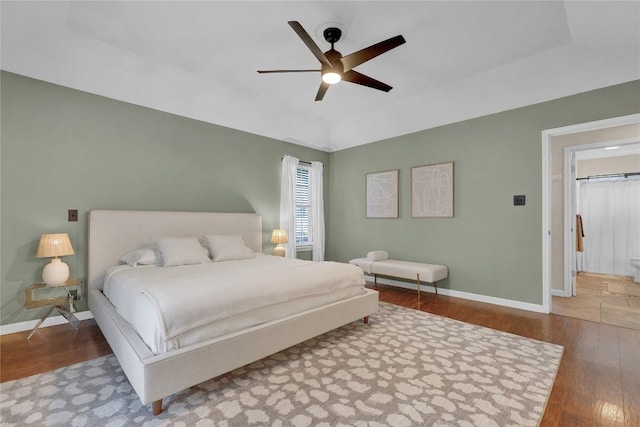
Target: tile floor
[613, 300]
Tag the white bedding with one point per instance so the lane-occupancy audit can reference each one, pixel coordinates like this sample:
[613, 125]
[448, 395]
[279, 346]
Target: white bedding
[179, 306]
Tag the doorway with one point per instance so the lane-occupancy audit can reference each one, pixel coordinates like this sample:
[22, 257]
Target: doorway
[600, 182]
[557, 230]
[605, 193]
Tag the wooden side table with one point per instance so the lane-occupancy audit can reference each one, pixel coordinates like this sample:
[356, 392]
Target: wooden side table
[58, 303]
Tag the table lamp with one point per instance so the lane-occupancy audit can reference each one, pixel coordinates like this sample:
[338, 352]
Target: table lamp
[54, 245]
[279, 236]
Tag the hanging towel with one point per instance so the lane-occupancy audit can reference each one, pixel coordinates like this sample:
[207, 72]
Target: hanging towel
[579, 234]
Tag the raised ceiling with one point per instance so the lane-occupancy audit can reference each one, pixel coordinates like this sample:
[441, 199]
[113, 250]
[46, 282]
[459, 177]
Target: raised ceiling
[199, 59]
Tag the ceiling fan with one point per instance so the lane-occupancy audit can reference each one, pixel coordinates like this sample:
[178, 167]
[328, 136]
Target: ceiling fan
[334, 66]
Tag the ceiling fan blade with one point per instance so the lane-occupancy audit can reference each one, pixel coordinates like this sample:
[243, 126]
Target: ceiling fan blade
[287, 71]
[360, 79]
[306, 38]
[323, 89]
[356, 58]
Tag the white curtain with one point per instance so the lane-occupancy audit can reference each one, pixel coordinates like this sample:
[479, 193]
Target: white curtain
[611, 219]
[317, 211]
[288, 203]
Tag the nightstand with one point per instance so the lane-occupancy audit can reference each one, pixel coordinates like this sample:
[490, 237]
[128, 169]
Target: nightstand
[59, 303]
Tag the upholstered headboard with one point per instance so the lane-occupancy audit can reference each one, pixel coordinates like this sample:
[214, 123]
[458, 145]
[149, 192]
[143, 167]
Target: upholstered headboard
[114, 233]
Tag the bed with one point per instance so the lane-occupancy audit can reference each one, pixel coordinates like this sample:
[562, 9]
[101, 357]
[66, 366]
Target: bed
[158, 373]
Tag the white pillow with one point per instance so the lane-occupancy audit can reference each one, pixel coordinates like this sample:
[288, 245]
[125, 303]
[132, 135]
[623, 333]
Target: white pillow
[142, 256]
[377, 255]
[181, 251]
[228, 247]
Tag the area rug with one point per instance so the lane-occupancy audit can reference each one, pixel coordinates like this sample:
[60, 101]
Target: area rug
[404, 368]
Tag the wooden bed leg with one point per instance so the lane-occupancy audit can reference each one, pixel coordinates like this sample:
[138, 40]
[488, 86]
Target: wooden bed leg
[418, 281]
[366, 319]
[157, 406]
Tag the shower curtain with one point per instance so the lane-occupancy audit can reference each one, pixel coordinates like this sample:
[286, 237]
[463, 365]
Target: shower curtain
[610, 212]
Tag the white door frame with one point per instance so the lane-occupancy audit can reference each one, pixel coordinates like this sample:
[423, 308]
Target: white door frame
[547, 135]
[570, 254]
[569, 173]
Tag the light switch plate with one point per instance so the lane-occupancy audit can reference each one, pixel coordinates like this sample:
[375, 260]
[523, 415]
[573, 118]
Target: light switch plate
[519, 200]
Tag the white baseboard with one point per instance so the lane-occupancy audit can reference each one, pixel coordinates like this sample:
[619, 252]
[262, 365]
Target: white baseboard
[49, 321]
[558, 293]
[538, 308]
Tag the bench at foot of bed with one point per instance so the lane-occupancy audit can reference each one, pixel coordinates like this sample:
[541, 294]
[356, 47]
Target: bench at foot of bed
[378, 263]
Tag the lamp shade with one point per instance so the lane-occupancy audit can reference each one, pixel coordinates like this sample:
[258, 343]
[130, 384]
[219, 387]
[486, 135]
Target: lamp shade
[54, 245]
[279, 236]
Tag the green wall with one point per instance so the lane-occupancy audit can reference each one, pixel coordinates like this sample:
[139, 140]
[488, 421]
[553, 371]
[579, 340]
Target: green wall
[65, 149]
[491, 247]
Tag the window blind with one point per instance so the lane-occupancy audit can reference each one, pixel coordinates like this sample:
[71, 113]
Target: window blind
[303, 207]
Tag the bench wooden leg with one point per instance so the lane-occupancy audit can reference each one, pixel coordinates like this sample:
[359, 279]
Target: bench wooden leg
[157, 407]
[366, 319]
[418, 282]
[435, 285]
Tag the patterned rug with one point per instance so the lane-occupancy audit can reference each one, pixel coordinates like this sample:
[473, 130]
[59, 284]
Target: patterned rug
[404, 368]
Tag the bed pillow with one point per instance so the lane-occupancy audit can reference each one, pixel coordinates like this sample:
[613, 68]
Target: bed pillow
[142, 256]
[377, 255]
[181, 251]
[228, 247]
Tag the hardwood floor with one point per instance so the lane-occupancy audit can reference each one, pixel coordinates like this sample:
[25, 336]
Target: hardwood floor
[598, 382]
[49, 348]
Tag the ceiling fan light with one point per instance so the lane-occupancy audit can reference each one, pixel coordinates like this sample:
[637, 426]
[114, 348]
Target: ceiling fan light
[331, 78]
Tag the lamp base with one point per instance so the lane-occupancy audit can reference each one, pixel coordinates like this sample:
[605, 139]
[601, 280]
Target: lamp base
[278, 250]
[55, 272]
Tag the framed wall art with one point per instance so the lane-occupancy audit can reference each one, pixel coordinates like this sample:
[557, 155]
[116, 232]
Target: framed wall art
[382, 194]
[432, 190]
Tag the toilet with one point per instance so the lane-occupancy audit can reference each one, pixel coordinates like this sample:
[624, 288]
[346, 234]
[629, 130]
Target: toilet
[635, 263]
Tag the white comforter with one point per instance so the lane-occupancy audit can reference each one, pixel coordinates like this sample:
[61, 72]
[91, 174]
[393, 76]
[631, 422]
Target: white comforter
[172, 307]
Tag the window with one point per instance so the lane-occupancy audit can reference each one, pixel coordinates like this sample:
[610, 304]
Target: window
[303, 207]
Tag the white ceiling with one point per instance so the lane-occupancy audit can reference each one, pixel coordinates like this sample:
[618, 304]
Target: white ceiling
[199, 59]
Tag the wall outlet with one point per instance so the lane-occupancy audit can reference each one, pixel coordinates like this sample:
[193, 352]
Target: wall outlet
[74, 295]
[519, 200]
[73, 215]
